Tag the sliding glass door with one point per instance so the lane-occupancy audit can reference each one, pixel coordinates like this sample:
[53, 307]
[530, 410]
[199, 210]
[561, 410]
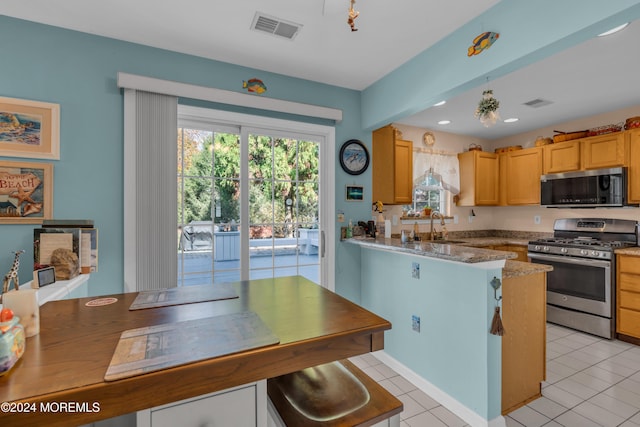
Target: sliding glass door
[283, 186]
[208, 204]
[249, 202]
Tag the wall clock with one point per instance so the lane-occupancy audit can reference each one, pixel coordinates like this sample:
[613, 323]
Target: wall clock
[354, 157]
[428, 139]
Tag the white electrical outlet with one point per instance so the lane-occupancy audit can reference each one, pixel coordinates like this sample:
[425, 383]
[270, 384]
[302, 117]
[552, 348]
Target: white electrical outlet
[536, 219]
[415, 323]
[455, 219]
[470, 219]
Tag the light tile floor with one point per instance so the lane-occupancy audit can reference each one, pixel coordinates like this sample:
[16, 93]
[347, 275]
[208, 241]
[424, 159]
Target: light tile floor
[590, 382]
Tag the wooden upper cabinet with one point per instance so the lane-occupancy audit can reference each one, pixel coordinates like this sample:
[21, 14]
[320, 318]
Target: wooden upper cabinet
[502, 181]
[523, 171]
[603, 151]
[478, 179]
[561, 157]
[392, 167]
[633, 163]
[403, 182]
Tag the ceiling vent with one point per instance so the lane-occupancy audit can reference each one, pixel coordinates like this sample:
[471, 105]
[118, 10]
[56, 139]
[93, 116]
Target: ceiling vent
[537, 103]
[275, 26]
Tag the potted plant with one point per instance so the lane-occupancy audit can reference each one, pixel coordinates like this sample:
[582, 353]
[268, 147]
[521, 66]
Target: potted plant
[487, 110]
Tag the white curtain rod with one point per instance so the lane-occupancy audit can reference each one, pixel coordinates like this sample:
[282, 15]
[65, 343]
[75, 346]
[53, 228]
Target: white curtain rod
[432, 151]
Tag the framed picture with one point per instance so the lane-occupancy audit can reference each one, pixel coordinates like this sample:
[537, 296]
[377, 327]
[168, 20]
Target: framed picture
[26, 192]
[355, 193]
[29, 129]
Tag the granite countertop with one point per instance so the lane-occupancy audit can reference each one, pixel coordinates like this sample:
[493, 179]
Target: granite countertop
[634, 250]
[465, 249]
[514, 268]
[452, 252]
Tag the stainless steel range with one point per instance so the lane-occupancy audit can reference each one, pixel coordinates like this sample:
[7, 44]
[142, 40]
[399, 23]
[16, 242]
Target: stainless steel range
[581, 287]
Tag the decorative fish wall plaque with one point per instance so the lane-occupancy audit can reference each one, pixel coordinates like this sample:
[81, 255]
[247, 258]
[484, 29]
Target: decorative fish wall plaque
[482, 42]
[254, 85]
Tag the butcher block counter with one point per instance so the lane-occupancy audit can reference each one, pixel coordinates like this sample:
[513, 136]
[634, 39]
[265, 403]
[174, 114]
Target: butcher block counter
[67, 361]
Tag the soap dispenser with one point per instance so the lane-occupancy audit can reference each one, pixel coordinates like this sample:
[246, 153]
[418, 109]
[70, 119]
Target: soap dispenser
[416, 232]
[380, 224]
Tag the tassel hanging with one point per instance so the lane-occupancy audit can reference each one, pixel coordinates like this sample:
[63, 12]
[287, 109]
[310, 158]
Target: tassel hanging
[496, 323]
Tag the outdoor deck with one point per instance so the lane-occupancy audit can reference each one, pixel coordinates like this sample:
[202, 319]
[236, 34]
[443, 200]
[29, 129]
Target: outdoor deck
[200, 267]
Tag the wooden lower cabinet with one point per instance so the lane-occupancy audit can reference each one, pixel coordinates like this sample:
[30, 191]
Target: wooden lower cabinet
[524, 316]
[520, 250]
[628, 298]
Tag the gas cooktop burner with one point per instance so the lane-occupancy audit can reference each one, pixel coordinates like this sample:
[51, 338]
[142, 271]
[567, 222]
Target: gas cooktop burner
[587, 238]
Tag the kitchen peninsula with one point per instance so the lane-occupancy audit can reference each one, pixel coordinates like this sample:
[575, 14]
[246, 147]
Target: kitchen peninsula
[68, 360]
[440, 300]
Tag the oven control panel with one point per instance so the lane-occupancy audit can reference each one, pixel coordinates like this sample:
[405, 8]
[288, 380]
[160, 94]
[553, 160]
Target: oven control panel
[563, 250]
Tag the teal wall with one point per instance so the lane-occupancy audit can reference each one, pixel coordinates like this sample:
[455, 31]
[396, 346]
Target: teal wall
[453, 350]
[529, 31]
[78, 71]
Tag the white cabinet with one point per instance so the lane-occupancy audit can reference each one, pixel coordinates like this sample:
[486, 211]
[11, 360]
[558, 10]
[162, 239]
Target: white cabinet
[243, 406]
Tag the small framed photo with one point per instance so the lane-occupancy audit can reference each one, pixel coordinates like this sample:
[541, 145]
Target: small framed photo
[43, 277]
[355, 193]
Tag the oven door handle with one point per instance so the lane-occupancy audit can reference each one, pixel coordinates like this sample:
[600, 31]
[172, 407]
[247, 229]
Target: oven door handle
[569, 260]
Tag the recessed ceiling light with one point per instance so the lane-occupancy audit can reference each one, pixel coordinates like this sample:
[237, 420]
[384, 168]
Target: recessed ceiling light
[511, 120]
[440, 103]
[444, 122]
[613, 30]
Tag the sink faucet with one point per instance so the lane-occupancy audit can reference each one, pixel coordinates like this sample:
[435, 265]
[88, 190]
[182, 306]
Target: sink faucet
[435, 214]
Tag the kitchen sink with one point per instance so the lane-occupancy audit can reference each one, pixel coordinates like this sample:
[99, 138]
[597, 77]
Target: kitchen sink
[443, 241]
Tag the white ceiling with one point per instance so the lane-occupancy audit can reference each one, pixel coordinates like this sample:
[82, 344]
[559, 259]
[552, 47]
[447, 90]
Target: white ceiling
[325, 50]
[588, 79]
[597, 76]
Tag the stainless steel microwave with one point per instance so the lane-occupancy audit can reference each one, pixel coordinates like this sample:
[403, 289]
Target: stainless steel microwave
[584, 189]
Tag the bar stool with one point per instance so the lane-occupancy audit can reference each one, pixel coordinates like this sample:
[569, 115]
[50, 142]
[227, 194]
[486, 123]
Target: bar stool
[336, 394]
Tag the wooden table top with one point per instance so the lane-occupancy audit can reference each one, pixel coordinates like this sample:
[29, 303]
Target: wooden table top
[67, 361]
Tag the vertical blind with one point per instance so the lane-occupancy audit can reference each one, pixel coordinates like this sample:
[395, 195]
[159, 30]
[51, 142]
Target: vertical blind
[148, 265]
[153, 258]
